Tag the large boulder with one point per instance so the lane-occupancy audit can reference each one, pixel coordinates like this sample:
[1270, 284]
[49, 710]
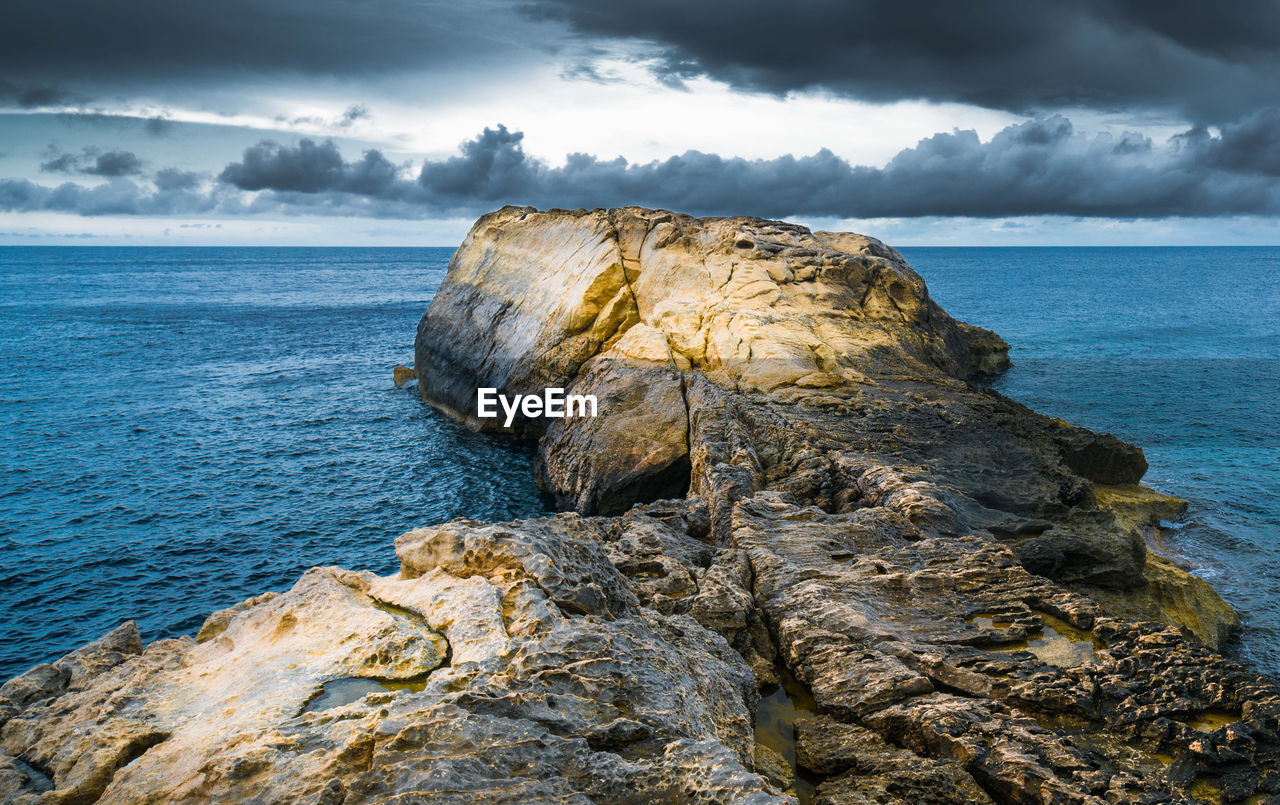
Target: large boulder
[531, 298]
[621, 303]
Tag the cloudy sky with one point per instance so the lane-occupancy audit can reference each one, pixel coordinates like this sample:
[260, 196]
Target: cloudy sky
[353, 122]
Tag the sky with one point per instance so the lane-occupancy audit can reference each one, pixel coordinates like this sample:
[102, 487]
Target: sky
[398, 122]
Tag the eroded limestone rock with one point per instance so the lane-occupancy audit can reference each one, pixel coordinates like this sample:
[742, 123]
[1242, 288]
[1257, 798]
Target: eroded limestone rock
[887, 508]
[951, 575]
[511, 664]
[621, 303]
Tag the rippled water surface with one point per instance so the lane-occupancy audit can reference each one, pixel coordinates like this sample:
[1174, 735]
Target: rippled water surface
[1176, 350]
[183, 428]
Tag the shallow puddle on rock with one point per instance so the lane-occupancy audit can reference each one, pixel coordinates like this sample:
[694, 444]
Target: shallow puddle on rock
[344, 691]
[989, 621]
[1062, 644]
[1211, 720]
[1096, 738]
[780, 706]
[1207, 789]
[1055, 643]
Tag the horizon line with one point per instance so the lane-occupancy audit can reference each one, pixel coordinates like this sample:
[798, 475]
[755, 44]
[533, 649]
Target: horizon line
[4, 245]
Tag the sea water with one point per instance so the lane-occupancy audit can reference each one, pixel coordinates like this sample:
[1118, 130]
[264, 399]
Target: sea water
[183, 428]
[1174, 349]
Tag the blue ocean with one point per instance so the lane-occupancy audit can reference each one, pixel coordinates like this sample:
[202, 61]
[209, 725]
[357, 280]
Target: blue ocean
[183, 428]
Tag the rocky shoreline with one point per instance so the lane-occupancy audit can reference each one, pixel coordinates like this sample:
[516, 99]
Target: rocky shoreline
[794, 481]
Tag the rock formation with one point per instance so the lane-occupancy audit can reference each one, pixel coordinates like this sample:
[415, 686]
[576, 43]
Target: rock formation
[793, 479]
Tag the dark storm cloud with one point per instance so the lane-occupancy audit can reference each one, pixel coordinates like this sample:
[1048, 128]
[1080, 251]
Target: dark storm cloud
[353, 114]
[310, 167]
[1212, 61]
[1204, 61]
[90, 119]
[131, 43]
[30, 96]
[157, 126]
[61, 162]
[115, 163]
[93, 162]
[1038, 168]
[115, 197]
[168, 179]
[1042, 167]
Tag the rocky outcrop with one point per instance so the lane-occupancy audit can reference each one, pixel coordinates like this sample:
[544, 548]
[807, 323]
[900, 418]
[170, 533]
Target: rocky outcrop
[625, 303]
[531, 298]
[508, 663]
[1168, 593]
[793, 482]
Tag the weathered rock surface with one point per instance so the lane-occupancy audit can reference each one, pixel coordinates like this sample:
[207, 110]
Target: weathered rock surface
[509, 663]
[623, 303]
[962, 584]
[1168, 594]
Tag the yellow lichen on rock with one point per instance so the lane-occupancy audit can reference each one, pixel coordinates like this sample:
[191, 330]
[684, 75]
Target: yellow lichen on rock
[1170, 594]
[401, 375]
[1174, 597]
[1136, 505]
